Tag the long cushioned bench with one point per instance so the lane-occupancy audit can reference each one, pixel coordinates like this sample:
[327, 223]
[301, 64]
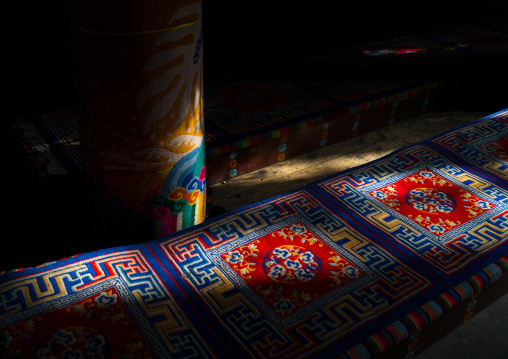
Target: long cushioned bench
[403, 249]
[183, 298]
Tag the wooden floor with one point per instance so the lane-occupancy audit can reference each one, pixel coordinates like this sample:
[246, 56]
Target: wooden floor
[299, 171]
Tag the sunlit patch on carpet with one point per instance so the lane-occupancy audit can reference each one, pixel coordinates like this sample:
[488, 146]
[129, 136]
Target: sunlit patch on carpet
[420, 201]
[435, 203]
[317, 272]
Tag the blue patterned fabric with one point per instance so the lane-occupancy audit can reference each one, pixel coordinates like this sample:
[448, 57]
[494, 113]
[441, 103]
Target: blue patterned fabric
[468, 167]
[309, 273]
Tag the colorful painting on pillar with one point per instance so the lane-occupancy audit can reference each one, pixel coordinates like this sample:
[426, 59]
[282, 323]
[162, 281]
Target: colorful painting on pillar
[138, 70]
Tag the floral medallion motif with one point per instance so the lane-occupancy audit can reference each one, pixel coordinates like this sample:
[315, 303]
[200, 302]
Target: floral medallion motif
[99, 326]
[285, 265]
[74, 342]
[290, 264]
[431, 201]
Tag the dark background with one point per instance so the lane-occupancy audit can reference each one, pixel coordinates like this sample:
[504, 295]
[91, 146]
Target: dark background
[247, 33]
[237, 35]
[41, 224]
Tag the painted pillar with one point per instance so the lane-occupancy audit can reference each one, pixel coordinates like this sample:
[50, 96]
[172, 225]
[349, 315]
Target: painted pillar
[139, 75]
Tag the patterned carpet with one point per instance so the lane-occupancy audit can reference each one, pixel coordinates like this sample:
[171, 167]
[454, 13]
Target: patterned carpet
[412, 230]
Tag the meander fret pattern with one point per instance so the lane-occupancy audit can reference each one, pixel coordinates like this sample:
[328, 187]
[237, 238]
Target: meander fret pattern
[448, 245]
[199, 258]
[309, 273]
[146, 297]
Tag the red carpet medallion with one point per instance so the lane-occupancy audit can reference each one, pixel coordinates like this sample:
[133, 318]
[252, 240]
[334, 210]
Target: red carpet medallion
[317, 272]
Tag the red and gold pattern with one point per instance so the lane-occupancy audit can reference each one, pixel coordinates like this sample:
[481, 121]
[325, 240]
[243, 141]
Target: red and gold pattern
[284, 266]
[118, 335]
[498, 148]
[431, 201]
